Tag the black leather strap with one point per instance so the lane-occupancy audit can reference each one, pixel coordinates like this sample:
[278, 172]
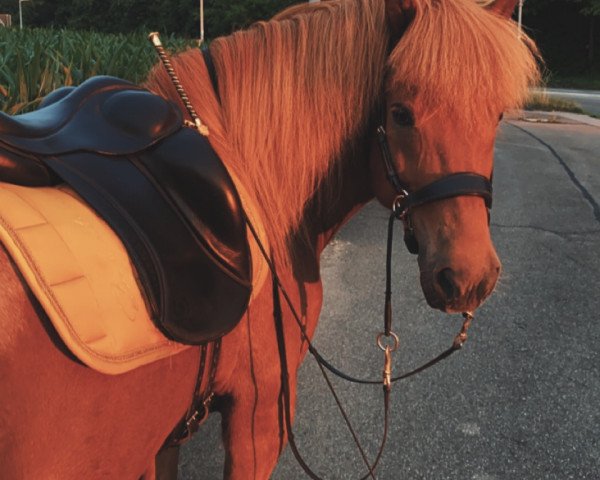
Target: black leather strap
[212, 71]
[455, 185]
[391, 172]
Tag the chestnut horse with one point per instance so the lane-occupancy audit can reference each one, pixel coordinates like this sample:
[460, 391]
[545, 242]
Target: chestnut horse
[299, 98]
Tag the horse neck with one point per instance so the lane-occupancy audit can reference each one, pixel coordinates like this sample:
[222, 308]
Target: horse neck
[335, 202]
[293, 96]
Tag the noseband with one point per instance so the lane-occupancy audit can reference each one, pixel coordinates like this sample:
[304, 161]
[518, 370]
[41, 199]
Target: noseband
[453, 185]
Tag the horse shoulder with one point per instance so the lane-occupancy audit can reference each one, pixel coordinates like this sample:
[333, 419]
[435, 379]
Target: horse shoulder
[54, 399]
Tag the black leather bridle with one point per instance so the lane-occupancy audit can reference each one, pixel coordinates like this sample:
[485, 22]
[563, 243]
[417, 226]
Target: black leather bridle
[453, 185]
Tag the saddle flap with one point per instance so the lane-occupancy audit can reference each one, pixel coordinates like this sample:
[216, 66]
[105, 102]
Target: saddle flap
[193, 178]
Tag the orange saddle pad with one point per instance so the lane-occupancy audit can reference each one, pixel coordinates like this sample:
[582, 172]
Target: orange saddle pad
[80, 272]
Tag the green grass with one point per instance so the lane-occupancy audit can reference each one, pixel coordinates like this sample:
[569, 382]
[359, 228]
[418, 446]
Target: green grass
[34, 62]
[540, 101]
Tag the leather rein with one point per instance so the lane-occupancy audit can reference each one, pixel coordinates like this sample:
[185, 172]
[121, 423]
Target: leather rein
[453, 185]
[458, 184]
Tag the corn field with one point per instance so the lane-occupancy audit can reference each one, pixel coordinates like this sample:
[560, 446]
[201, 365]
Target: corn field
[34, 62]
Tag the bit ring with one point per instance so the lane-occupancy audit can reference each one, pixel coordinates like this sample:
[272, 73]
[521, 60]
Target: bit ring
[384, 347]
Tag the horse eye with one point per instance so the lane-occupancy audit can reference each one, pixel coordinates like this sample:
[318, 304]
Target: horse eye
[501, 117]
[403, 116]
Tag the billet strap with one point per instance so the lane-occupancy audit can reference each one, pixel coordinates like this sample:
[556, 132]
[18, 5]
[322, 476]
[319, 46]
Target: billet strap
[202, 400]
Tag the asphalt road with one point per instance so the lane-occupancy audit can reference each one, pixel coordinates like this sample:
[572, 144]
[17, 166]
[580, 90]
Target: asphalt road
[522, 399]
[589, 100]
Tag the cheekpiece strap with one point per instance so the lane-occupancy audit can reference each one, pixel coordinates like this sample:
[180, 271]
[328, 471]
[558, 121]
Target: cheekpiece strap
[392, 175]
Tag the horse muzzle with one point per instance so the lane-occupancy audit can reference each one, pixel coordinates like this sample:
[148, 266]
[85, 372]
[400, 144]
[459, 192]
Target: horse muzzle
[458, 286]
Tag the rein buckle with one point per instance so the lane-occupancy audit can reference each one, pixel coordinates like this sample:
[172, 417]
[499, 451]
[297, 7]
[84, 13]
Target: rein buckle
[198, 417]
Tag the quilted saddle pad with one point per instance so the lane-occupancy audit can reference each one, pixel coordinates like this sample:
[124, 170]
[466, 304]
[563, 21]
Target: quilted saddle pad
[80, 272]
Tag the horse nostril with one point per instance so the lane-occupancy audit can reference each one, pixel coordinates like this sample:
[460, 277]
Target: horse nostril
[445, 279]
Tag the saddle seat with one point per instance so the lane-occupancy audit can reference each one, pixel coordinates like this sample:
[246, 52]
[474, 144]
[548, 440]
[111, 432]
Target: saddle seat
[104, 114]
[160, 187]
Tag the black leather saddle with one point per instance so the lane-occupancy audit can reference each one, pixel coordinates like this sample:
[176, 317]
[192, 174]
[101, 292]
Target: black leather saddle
[158, 184]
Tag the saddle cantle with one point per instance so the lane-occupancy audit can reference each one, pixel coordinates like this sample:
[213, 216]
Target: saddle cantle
[159, 185]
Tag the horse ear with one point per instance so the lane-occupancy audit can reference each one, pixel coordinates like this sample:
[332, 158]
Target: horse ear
[504, 8]
[399, 14]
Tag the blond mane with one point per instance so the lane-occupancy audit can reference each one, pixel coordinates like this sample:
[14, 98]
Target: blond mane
[294, 91]
[297, 89]
[463, 61]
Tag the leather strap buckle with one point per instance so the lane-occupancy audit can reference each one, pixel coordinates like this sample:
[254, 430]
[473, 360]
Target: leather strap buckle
[399, 206]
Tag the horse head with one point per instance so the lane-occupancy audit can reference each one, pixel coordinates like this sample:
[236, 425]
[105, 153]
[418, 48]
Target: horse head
[443, 100]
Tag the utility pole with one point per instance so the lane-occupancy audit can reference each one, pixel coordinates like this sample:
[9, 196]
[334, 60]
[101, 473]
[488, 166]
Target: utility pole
[201, 39]
[21, 13]
[521, 2]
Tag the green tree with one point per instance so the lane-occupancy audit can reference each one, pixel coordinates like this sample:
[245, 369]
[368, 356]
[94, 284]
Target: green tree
[179, 17]
[591, 8]
[566, 31]
[223, 17]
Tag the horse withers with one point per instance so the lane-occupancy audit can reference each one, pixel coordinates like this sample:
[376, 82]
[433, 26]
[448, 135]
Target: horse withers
[299, 100]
